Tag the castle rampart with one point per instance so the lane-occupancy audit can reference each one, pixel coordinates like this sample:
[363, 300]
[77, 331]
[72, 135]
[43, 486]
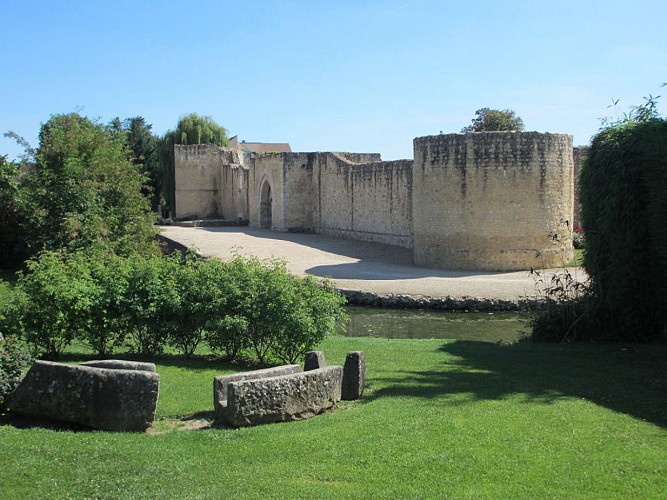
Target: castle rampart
[209, 182]
[476, 201]
[491, 200]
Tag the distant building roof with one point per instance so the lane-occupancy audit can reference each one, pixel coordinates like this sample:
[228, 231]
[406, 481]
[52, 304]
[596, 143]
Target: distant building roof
[260, 148]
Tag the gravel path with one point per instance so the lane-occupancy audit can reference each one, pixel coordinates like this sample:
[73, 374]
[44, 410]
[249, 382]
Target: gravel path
[369, 268]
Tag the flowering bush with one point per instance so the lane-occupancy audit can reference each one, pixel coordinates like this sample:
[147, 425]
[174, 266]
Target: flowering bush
[578, 238]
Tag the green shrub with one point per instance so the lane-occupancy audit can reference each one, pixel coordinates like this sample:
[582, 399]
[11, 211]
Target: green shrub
[201, 286]
[227, 334]
[107, 324]
[52, 302]
[149, 301]
[624, 209]
[273, 313]
[311, 310]
[14, 359]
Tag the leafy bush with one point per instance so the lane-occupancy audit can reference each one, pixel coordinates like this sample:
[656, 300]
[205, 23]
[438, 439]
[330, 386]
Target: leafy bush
[148, 301]
[563, 313]
[52, 302]
[107, 324]
[14, 359]
[273, 313]
[201, 288]
[312, 311]
[623, 186]
[578, 238]
[624, 209]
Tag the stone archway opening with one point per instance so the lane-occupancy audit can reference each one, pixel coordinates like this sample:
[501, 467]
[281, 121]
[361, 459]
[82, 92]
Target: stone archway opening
[265, 206]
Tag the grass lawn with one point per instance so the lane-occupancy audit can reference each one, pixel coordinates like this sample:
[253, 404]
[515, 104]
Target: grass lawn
[438, 419]
[578, 258]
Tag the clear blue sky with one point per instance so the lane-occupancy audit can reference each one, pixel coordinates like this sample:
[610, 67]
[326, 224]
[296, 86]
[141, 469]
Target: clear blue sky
[339, 75]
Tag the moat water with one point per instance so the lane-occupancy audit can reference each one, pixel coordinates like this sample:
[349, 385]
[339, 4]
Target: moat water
[419, 324]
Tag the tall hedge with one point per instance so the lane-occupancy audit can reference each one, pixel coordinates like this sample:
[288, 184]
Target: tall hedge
[624, 216]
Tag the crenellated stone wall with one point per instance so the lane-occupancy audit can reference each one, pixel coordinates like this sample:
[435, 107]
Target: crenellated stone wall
[490, 200]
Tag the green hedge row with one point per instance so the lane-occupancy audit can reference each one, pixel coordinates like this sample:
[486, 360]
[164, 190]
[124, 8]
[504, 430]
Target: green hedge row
[624, 216]
[147, 303]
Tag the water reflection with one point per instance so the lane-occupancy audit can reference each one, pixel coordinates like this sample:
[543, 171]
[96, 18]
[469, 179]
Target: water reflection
[417, 324]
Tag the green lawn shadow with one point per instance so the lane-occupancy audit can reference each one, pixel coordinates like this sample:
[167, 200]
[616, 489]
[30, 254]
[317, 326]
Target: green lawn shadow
[629, 378]
[196, 362]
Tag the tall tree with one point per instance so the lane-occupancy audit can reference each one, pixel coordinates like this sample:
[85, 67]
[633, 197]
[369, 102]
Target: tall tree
[494, 120]
[142, 146]
[191, 129]
[10, 235]
[84, 191]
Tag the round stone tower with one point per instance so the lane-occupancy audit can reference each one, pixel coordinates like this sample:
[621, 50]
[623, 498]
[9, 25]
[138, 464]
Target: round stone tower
[493, 201]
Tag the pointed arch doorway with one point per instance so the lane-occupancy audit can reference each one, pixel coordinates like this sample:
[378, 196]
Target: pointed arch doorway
[265, 206]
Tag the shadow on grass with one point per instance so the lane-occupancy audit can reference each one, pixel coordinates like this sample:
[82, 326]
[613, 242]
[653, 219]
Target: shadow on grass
[196, 362]
[26, 422]
[630, 379]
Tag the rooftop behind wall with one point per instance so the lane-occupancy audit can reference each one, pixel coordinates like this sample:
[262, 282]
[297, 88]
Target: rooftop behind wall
[490, 200]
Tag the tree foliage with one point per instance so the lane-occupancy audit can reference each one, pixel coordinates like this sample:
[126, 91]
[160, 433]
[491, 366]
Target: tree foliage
[624, 208]
[494, 120]
[191, 129]
[82, 190]
[11, 248]
[142, 146]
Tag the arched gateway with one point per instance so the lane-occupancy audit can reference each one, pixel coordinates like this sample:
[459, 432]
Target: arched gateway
[265, 206]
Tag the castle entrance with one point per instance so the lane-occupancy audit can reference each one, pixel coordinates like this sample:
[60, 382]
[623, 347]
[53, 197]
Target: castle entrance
[265, 209]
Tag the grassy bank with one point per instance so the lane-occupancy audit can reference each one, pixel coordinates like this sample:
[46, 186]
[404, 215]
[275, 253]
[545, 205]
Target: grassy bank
[439, 418]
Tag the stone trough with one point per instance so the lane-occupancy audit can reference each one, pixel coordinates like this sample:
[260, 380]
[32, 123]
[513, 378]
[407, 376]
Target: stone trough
[285, 393]
[111, 395]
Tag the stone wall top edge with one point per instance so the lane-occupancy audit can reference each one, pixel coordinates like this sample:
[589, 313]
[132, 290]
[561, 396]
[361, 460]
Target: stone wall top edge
[203, 146]
[506, 133]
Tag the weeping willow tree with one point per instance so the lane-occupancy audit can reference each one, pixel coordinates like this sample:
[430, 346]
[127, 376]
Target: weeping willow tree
[191, 129]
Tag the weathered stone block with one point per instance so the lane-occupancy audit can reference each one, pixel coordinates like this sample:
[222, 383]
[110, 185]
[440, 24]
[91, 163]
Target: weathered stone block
[221, 383]
[102, 398]
[285, 398]
[314, 360]
[354, 375]
[120, 364]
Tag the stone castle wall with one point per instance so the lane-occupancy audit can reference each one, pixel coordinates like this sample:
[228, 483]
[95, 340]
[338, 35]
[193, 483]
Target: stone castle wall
[210, 183]
[491, 200]
[477, 201]
[363, 201]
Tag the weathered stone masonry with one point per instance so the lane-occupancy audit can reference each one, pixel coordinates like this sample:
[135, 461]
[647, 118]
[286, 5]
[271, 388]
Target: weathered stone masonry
[476, 201]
